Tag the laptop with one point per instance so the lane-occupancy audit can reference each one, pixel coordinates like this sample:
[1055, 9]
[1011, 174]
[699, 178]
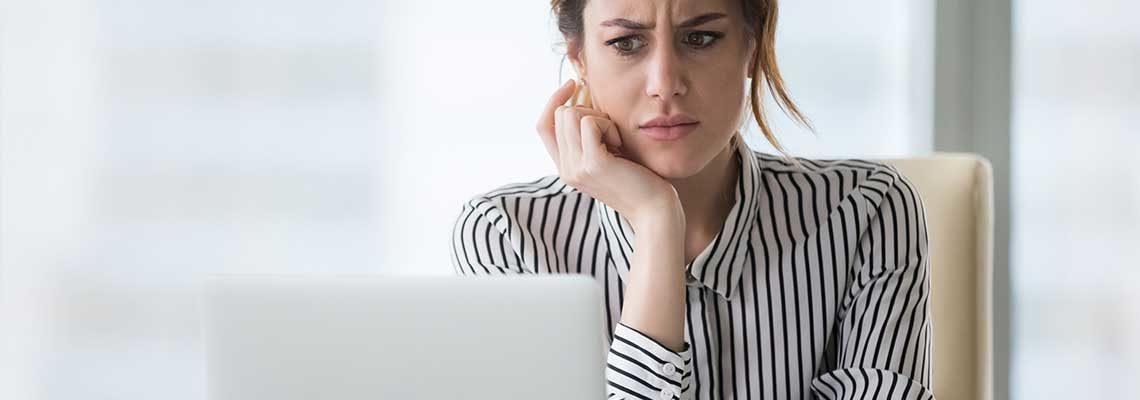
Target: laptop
[404, 337]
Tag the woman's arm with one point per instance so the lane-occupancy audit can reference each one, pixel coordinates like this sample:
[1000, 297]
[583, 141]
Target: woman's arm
[885, 328]
[639, 363]
[655, 295]
[652, 317]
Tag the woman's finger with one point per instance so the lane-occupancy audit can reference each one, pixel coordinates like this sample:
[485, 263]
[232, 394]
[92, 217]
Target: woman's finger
[569, 136]
[593, 136]
[562, 156]
[545, 126]
[610, 133]
[590, 111]
[546, 123]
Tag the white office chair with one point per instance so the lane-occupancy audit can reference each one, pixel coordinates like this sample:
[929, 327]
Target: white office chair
[957, 190]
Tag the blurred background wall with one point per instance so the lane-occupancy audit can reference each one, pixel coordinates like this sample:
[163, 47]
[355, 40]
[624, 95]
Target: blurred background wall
[1075, 188]
[147, 144]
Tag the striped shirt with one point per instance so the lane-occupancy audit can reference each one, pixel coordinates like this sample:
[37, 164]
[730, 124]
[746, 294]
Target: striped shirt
[816, 286]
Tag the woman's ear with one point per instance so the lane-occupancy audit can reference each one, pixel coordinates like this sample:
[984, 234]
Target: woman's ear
[574, 53]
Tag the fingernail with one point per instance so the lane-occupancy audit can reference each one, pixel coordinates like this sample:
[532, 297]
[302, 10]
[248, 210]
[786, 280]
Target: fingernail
[567, 83]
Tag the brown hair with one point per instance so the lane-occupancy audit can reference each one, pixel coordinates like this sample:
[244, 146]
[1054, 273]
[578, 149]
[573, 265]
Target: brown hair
[761, 18]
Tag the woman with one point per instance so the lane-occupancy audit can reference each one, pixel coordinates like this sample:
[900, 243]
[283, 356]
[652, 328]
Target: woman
[727, 273]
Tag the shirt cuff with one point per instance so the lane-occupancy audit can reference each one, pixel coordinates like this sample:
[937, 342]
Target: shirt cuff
[640, 367]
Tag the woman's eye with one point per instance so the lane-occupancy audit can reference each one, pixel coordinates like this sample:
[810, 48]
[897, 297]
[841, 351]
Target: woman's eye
[626, 44]
[701, 39]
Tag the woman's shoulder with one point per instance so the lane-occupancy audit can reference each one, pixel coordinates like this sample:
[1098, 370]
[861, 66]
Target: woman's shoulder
[545, 187]
[526, 215]
[811, 165]
[874, 178]
[514, 198]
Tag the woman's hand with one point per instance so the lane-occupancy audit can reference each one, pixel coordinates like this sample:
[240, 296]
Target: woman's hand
[580, 140]
[585, 146]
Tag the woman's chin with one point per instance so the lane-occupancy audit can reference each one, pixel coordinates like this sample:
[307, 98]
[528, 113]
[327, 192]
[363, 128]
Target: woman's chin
[672, 166]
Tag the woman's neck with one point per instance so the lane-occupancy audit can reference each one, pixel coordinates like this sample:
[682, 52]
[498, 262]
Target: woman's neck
[707, 198]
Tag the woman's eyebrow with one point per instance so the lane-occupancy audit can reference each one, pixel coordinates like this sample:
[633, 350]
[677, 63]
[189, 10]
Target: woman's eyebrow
[700, 19]
[691, 22]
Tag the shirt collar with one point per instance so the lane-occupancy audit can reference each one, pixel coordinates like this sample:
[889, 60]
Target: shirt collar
[722, 263]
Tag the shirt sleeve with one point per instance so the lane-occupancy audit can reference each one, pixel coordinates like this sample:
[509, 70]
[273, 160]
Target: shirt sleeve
[885, 327]
[637, 366]
[640, 367]
[480, 243]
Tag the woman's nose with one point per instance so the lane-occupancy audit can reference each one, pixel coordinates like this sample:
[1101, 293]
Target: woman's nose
[665, 75]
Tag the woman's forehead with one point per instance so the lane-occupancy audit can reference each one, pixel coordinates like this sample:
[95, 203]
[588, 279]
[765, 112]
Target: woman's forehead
[652, 12]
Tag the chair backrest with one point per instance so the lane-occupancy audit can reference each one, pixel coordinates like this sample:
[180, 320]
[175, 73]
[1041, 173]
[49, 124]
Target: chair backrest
[957, 191]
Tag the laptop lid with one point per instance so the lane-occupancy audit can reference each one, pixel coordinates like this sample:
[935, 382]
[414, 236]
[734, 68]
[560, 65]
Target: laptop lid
[404, 337]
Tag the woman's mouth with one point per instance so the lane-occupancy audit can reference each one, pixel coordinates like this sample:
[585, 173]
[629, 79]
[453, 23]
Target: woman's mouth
[669, 132]
[669, 127]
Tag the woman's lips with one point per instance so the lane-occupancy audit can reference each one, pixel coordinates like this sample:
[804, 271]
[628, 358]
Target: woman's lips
[669, 132]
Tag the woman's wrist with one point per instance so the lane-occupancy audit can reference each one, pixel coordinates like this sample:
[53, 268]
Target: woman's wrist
[662, 212]
[663, 215]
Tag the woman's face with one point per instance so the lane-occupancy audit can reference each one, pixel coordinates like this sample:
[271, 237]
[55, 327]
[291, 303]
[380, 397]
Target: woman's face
[645, 59]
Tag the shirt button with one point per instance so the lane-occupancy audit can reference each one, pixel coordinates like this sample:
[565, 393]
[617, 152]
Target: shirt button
[667, 393]
[668, 369]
